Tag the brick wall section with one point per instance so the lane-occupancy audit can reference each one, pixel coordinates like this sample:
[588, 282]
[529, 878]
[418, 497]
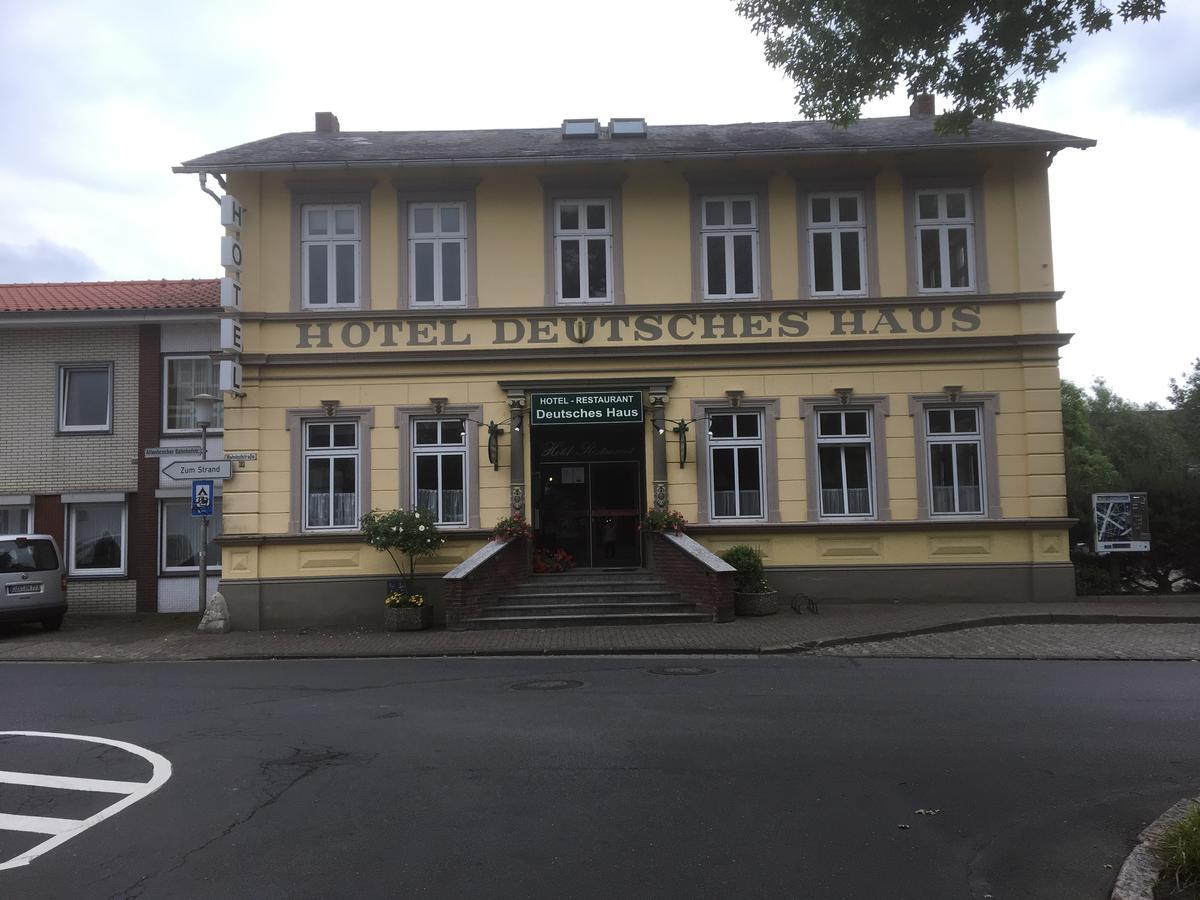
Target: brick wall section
[143, 507]
[113, 597]
[466, 597]
[695, 582]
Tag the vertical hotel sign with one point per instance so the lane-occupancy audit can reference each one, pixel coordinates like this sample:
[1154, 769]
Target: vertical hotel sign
[231, 294]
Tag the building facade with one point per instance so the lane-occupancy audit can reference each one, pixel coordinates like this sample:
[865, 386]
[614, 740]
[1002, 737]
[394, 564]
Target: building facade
[838, 346]
[94, 374]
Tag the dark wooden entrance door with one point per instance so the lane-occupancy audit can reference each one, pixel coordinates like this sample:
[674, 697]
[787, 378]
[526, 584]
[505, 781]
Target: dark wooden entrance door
[591, 510]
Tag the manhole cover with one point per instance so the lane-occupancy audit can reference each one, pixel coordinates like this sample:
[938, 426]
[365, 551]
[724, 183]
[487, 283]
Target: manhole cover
[561, 684]
[682, 670]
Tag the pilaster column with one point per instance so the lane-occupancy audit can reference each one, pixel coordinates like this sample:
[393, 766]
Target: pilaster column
[658, 419]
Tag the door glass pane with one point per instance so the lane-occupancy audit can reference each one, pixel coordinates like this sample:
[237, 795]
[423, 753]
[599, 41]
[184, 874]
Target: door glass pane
[941, 477]
[318, 273]
[568, 217]
[451, 219]
[569, 257]
[960, 273]
[715, 254]
[453, 508]
[343, 434]
[453, 431]
[858, 480]
[939, 421]
[964, 421]
[743, 264]
[851, 267]
[724, 486]
[931, 259]
[822, 210]
[426, 433]
[87, 397]
[848, 209]
[822, 244]
[319, 511]
[714, 212]
[427, 483]
[970, 493]
[595, 216]
[833, 500]
[97, 536]
[345, 487]
[721, 426]
[343, 221]
[749, 482]
[345, 273]
[927, 206]
[747, 425]
[318, 222]
[422, 219]
[956, 205]
[597, 251]
[743, 212]
[451, 272]
[423, 272]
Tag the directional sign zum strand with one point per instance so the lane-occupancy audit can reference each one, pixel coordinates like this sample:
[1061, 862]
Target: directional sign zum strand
[189, 470]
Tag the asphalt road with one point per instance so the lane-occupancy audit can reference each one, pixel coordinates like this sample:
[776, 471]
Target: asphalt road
[769, 777]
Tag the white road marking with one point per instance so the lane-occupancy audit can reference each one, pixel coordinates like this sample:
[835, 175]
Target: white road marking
[62, 830]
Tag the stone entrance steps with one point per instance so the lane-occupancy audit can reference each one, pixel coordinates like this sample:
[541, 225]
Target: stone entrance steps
[589, 597]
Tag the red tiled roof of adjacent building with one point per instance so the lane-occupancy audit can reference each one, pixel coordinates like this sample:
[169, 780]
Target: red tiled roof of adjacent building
[85, 296]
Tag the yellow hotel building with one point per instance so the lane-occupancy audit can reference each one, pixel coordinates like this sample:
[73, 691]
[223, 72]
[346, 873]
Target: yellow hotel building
[839, 346]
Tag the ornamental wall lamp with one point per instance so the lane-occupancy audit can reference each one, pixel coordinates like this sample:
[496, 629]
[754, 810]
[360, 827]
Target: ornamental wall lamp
[330, 407]
[844, 394]
[681, 427]
[494, 430]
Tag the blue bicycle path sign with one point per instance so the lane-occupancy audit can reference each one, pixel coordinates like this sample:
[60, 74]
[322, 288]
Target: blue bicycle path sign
[202, 497]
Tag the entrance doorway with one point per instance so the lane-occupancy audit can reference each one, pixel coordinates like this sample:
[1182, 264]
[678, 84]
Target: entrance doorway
[587, 492]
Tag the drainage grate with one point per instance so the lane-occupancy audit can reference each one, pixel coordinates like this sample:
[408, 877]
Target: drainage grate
[681, 670]
[562, 684]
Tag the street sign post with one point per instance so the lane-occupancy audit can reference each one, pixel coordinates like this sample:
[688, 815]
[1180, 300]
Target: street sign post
[202, 497]
[189, 470]
[154, 452]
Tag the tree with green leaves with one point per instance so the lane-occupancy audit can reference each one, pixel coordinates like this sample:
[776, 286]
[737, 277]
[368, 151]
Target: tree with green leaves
[986, 56]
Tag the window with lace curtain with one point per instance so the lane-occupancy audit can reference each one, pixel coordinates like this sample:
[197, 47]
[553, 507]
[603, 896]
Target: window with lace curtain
[439, 470]
[331, 474]
[183, 378]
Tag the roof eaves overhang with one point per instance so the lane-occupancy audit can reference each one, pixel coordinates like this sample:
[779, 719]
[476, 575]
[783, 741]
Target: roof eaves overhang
[108, 316]
[665, 156]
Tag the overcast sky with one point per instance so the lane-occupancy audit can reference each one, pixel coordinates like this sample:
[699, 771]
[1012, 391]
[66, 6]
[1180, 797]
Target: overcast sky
[102, 98]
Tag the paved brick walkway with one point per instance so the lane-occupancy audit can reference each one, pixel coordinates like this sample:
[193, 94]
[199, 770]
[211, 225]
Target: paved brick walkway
[173, 637]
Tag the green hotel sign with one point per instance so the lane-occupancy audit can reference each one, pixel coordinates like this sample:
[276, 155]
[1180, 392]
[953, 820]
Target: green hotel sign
[585, 407]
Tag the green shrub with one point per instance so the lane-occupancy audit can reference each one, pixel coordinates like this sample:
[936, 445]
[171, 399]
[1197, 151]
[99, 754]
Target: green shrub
[1093, 576]
[1179, 850]
[409, 532]
[749, 578]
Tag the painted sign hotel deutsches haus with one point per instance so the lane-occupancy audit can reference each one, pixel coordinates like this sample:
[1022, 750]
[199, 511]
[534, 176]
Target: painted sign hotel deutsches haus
[620, 328]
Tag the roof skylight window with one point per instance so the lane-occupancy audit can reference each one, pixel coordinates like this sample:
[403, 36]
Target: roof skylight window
[620, 128]
[581, 128]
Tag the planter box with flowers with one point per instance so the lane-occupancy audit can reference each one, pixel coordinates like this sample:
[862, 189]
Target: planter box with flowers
[412, 533]
[752, 596]
[546, 560]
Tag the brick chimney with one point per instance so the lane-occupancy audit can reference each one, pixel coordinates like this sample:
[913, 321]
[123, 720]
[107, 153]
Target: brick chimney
[922, 105]
[327, 123]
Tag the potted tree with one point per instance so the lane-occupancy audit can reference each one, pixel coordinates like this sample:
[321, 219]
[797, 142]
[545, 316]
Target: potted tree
[411, 533]
[752, 596]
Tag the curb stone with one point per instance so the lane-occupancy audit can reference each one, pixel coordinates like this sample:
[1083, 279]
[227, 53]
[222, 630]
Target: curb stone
[1140, 870]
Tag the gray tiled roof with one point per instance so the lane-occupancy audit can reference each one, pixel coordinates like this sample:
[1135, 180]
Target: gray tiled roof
[508, 146]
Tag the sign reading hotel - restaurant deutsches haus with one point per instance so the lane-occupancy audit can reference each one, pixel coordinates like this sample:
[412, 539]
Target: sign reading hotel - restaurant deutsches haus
[586, 408]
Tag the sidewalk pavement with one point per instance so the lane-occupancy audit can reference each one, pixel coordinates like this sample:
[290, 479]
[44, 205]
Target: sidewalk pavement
[86, 638]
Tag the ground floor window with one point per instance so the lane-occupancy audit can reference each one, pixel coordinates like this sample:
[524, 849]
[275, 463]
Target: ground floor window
[439, 467]
[954, 453]
[735, 446]
[97, 538]
[844, 460]
[181, 536]
[331, 474]
[15, 519]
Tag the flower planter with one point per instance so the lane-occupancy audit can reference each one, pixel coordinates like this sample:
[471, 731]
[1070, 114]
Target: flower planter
[405, 618]
[765, 603]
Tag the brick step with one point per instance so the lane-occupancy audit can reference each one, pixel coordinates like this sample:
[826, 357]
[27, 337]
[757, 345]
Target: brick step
[560, 621]
[594, 596]
[579, 609]
[586, 584]
[589, 574]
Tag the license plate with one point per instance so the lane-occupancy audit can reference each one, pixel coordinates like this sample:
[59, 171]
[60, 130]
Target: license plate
[30, 588]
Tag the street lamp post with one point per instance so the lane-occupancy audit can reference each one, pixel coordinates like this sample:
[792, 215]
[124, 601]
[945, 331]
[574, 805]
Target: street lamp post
[204, 404]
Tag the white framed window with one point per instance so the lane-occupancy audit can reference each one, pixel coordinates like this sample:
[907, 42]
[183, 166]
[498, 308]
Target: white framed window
[439, 469]
[330, 254]
[735, 470]
[332, 456]
[181, 536]
[844, 459]
[945, 240]
[954, 456]
[183, 378]
[85, 397]
[437, 254]
[96, 543]
[729, 247]
[837, 244]
[16, 518]
[583, 254]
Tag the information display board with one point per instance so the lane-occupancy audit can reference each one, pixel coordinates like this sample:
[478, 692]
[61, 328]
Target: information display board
[1122, 522]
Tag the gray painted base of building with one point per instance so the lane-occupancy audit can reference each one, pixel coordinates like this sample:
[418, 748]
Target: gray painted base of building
[995, 583]
[297, 602]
